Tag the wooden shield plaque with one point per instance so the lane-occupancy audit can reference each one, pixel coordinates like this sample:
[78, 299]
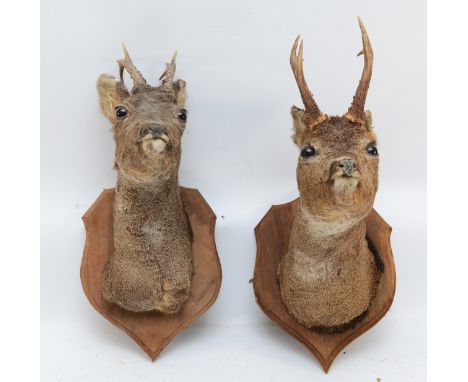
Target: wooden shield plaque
[272, 234]
[152, 330]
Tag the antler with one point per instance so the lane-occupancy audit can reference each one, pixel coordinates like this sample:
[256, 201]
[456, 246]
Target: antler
[356, 110]
[314, 114]
[168, 76]
[127, 64]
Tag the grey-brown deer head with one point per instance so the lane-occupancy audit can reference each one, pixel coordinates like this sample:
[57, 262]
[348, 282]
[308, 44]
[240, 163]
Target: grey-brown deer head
[148, 121]
[151, 267]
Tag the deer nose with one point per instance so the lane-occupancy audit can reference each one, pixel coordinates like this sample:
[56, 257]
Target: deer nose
[154, 129]
[348, 166]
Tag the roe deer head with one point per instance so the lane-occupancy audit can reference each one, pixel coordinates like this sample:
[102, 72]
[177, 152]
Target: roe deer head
[148, 122]
[151, 267]
[328, 276]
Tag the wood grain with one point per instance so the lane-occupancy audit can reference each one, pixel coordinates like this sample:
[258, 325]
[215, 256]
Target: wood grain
[272, 234]
[152, 330]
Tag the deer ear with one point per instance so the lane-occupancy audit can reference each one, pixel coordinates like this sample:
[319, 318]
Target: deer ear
[298, 123]
[111, 94]
[179, 88]
[368, 119]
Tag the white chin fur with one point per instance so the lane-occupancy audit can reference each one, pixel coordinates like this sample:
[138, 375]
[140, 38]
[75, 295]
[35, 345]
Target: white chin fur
[158, 145]
[344, 188]
[345, 185]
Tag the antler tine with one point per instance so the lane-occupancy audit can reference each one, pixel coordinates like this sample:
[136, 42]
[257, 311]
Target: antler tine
[313, 111]
[168, 76]
[356, 110]
[127, 64]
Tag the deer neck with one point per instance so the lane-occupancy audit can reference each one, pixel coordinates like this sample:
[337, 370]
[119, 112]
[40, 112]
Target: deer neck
[163, 196]
[326, 237]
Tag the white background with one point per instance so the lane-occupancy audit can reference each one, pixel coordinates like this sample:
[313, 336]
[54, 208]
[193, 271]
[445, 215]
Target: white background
[238, 153]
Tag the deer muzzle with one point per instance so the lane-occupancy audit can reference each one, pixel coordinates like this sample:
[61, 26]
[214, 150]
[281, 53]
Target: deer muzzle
[344, 167]
[347, 166]
[155, 138]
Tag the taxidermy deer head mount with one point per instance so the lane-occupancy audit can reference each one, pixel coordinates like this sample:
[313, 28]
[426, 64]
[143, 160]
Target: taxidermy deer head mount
[151, 267]
[148, 121]
[337, 168]
[328, 277]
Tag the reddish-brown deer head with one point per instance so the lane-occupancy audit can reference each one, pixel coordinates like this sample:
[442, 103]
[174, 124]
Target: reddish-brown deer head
[328, 276]
[337, 169]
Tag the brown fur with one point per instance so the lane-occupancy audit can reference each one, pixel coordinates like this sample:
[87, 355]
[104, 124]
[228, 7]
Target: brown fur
[151, 268]
[329, 277]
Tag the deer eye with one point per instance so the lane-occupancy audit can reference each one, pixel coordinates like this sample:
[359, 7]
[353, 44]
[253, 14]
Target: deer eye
[121, 112]
[182, 114]
[308, 152]
[372, 149]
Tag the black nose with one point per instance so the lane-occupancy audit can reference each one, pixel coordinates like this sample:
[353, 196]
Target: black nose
[154, 129]
[348, 166]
